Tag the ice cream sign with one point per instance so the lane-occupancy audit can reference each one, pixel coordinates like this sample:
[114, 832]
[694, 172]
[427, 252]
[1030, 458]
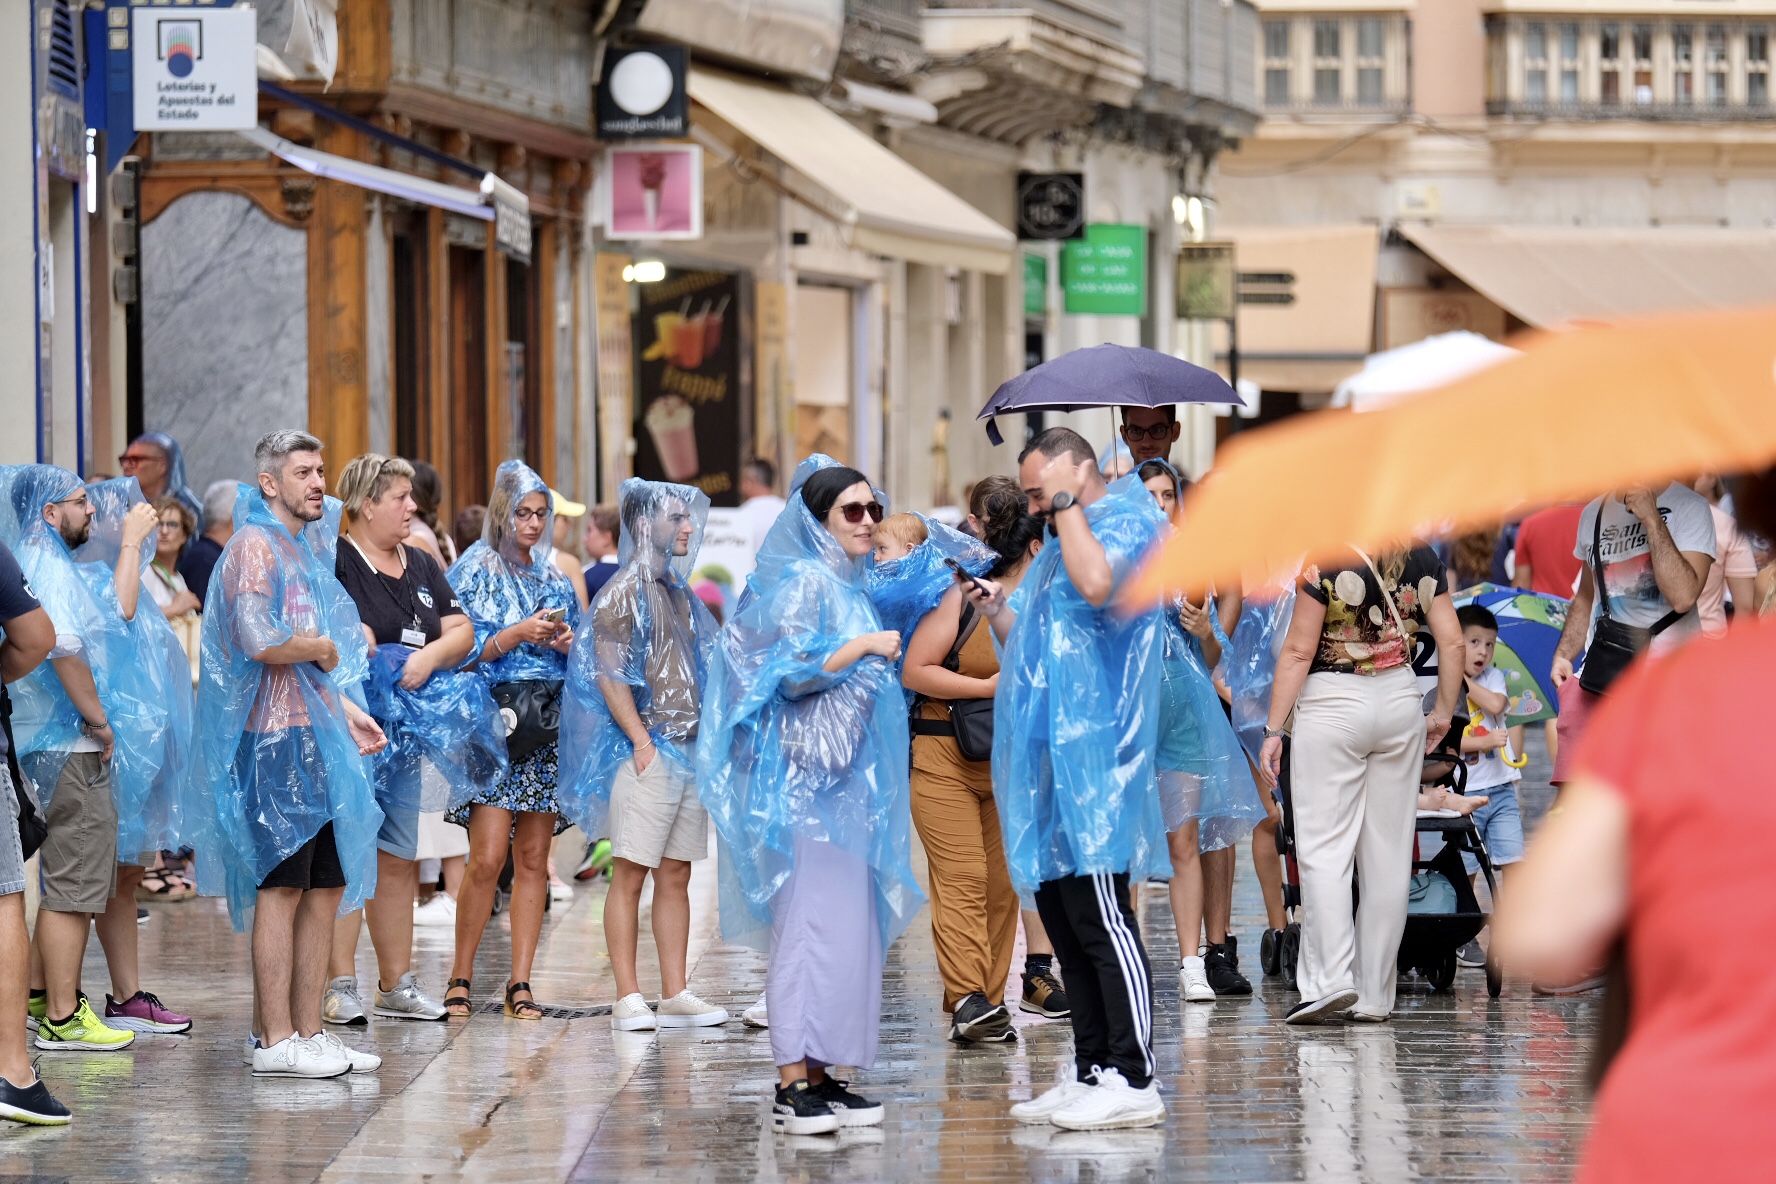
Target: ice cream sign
[194, 69]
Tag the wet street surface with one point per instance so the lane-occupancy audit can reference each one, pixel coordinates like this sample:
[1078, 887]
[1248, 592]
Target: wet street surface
[1457, 1087]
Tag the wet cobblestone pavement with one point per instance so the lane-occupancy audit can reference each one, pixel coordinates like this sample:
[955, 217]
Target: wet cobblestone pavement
[1457, 1087]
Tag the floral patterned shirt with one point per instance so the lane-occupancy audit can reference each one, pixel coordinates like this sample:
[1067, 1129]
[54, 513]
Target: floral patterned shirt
[1360, 636]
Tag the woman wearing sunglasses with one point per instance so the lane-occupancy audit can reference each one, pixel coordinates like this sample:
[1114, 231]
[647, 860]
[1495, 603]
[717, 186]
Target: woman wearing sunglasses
[802, 759]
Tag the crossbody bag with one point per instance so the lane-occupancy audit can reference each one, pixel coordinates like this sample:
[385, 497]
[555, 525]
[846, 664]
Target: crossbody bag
[1614, 644]
[32, 829]
[971, 720]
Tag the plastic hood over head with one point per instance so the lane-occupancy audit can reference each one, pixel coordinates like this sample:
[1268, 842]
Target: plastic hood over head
[787, 751]
[81, 600]
[177, 485]
[277, 759]
[1077, 712]
[905, 589]
[651, 634]
[500, 583]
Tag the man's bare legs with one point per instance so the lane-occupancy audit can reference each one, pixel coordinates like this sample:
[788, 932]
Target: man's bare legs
[15, 973]
[119, 934]
[672, 923]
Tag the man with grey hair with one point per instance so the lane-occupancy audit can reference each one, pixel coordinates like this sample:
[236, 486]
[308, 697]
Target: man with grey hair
[288, 822]
[203, 551]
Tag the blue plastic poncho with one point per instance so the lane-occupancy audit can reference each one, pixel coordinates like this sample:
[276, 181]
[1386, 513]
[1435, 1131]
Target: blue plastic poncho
[1202, 771]
[277, 759]
[176, 484]
[166, 665]
[786, 750]
[500, 583]
[1249, 659]
[81, 600]
[1077, 713]
[449, 721]
[650, 633]
[905, 589]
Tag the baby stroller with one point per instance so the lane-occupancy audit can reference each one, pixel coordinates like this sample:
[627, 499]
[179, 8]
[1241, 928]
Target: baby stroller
[1432, 939]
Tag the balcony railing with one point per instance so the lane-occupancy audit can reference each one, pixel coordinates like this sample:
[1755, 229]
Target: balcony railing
[1383, 109]
[1659, 112]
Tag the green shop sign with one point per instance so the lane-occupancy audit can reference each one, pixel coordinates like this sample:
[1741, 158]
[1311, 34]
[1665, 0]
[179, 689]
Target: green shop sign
[1035, 284]
[1105, 273]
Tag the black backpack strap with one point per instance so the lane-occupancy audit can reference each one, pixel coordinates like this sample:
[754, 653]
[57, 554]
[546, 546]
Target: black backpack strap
[965, 625]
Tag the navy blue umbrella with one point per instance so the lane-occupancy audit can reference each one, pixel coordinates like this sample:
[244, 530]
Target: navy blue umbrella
[1105, 376]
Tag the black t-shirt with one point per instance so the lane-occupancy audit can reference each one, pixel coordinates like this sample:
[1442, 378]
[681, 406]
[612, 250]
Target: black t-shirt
[389, 605]
[1360, 635]
[196, 565]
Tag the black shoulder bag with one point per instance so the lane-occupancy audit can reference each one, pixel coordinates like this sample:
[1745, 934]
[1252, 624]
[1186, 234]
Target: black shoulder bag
[971, 720]
[32, 829]
[1614, 644]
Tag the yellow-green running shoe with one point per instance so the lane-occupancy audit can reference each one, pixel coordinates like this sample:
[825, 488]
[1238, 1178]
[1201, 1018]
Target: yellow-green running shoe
[83, 1030]
[35, 1007]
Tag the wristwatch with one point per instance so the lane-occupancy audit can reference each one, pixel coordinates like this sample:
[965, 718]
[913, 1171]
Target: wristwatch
[1275, 733]
[1062, 501]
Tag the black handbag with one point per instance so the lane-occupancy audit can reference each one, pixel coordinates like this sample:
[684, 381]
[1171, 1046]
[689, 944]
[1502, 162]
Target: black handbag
[971, 720]
[531, 710]
[33, 831]
[1614, 644]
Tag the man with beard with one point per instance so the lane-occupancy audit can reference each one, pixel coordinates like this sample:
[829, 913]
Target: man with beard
[287, 817]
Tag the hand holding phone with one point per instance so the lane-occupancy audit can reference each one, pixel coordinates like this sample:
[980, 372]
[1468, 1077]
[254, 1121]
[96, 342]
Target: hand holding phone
[961, 574]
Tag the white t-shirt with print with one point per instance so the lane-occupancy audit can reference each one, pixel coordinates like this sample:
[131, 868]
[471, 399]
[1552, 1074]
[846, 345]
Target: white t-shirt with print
[1488, 769]
[1629, 583]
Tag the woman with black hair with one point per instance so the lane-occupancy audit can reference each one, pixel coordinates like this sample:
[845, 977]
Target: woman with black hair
[802, 763]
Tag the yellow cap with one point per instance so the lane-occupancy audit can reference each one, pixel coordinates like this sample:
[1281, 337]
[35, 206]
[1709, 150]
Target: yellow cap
[566, 507]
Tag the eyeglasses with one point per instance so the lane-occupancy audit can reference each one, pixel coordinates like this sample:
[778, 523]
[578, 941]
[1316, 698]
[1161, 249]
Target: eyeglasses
[531, 515]
[1156, 434]
[128, 459]
[854, 511]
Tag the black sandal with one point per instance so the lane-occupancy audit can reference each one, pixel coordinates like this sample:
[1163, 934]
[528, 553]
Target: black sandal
[464, 1001]
[521, 1009]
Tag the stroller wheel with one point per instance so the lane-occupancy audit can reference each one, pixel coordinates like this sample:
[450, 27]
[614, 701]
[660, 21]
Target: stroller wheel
[1495, 979]
[1442, 973]
[1270, 952]
[1289, 952]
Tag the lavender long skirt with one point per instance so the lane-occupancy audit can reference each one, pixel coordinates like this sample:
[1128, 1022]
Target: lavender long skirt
[825, 979]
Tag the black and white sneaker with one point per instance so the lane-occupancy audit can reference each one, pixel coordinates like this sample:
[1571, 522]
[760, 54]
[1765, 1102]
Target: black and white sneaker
[1471, 955]
[798, 1111]
[32, 1105]
[852, 1109]
[978, 1021]
[1321, 1011]
[1221, 964]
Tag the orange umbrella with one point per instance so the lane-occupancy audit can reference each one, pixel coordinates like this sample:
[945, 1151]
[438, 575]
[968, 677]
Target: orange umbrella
[1582, 411]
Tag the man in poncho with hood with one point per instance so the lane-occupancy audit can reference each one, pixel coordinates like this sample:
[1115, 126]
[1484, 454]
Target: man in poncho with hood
[628, 742]
[284, 809]
[1073, 770]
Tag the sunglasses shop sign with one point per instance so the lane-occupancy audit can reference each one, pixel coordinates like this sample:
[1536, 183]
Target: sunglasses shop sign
[193, 69]
[1105, 273]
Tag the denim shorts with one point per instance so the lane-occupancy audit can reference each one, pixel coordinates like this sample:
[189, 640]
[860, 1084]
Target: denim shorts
[1501, 826]
[12, 859]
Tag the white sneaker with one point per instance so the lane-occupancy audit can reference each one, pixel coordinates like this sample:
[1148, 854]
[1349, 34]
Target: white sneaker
[439, 912]
[632, 1014]
[560, 891]
[756, 1016]
[1195, 981]
[1043, 1107]
[1110, 1105]
[685, 1010]
[296, 1056]
[359, 1060]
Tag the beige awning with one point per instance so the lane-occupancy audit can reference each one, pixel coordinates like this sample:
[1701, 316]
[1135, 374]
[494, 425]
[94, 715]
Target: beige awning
[1326, 333]
[1550, 276]
[885, 205]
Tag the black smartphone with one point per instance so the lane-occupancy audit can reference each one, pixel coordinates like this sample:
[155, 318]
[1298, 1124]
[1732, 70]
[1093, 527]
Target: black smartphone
[960, 573]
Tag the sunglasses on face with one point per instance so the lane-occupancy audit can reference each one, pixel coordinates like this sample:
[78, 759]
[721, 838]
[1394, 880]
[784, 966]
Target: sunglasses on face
[135, 458]
[854, 511]
[1155, 434]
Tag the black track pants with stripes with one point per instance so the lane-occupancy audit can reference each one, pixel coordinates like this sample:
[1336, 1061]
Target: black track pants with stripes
[1104, 968]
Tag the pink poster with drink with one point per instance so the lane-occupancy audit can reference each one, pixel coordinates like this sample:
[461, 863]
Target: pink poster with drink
[656, 192]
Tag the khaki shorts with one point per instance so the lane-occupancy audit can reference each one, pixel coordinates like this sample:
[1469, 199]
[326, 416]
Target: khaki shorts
[79, 858]
[655, 815]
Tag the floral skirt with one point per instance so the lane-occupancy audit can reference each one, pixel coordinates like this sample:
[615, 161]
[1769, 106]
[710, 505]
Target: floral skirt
[528, 787]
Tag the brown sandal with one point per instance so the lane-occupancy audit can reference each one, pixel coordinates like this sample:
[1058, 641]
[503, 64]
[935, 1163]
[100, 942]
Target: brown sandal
[458, 1006]
[521, 1009]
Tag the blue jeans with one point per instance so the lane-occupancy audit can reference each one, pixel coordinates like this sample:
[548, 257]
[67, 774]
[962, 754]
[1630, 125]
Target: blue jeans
[1501, 826]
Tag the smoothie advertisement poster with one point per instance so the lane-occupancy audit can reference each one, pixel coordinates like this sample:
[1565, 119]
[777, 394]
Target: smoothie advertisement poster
[687, 382]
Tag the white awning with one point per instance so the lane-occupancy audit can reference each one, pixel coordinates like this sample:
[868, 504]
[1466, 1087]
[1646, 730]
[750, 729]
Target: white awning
[885, 205]
[468, 202]
[1550, 276]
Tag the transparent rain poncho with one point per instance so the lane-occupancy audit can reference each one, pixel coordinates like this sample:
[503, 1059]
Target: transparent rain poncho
[650, 633]
[499, 583]
[1249, 660]
[1202, 770]
[81, 600]
[278, 762]
[176, 484]
[158, 825]
[448, 721]
[1076, 714]
[787, 751]
[905, 589]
